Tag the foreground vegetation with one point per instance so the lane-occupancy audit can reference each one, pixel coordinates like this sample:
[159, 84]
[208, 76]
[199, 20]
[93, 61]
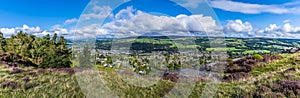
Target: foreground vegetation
[45, 52]
[277, 78]
[20, 82]
[40, 67]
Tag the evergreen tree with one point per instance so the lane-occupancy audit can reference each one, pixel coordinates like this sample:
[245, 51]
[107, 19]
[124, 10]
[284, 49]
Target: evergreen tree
[2, 42]
[85, 57]
[45, 52]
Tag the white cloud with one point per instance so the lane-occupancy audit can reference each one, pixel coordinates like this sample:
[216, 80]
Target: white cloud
[44, 33]
[58, 29]
[97, 12]
[28, 29]
[249, 8]
[132, 22]
[92, 29]
[288, 28]
[7, 32]
[237, 26]
[272, 27]
[70, 21]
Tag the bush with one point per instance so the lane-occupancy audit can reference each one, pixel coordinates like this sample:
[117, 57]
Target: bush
[248, 63]
[258, 57]
[56, 62]
[13, 60]
[170, 76]
[278, 89]
[236, 76]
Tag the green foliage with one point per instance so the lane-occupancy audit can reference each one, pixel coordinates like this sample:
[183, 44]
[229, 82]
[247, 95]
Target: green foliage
[140, 65]
[85, 57]
[44, 52]
[229, 60]
[173, 62]
[258, 57]
[2, 42]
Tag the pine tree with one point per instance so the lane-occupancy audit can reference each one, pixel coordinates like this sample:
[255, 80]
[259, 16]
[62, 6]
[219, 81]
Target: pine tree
[85, 57]
[45, 52]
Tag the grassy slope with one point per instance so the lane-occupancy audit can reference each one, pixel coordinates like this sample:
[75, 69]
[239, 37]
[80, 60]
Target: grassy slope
[45, 84]
[60, 84]
[262, 76]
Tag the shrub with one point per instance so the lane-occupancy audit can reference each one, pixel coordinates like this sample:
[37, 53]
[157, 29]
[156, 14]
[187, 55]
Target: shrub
[16, 70]
[278, 89]
[26, 79]
[229, 60]
[13, 60]
[258, 57]
[11, 84]
[248, 63]
[60, 61]
[170, 76]
[236, 76]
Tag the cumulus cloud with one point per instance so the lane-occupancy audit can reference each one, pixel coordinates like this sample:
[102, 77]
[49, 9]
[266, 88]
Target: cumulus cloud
[59, 29]
[8, 31]
[70, 21]
[25, 28]
[287, 27]
[237, 26]
[249, 8]
[93, 29]
[272, 27]
[28, 29]
[132, 22]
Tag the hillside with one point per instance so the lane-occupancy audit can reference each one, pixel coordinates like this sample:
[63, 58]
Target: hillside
[41, 68]
[30, 82]
[277, 78]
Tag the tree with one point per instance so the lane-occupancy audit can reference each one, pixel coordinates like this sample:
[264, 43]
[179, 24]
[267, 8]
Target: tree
[2, 42]
[54, 37]
[85, 57]
[1, 35]
[62, 43]
[42, 51]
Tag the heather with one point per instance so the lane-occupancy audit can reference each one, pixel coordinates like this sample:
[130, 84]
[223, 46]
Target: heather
[280, 81]
[32, 82]
[42, 68]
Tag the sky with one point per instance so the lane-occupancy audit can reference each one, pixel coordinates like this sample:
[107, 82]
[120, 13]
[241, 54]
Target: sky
[235, 18]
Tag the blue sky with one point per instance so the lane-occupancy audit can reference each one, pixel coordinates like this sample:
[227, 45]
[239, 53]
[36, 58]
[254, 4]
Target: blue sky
[239, 18]
[261, 19]
[43, 13]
